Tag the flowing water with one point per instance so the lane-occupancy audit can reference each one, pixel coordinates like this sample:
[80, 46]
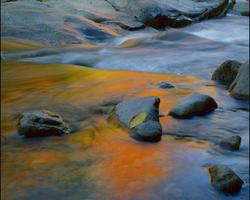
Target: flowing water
[99, 160]
[195, 50]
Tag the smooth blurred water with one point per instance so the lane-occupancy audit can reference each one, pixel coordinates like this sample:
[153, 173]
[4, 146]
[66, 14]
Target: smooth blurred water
[195, 50]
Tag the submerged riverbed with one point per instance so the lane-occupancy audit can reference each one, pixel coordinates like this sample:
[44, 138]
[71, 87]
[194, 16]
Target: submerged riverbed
[99, 160]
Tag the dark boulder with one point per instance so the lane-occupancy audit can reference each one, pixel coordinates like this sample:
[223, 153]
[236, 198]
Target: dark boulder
[240, 86]
[195, 104]
[226, 72]
[232, 143]
[224, 179]
[41, 123]
[141, 117]
[162, 13]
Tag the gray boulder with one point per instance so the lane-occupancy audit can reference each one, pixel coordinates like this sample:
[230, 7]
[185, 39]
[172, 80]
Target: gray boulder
[162, 13]
[195, 104]
[240, 86]
[60, 22]
[165, 85]
[226, 72]
[41, 123]
[141, 117]
[232, 143]
[224, 179]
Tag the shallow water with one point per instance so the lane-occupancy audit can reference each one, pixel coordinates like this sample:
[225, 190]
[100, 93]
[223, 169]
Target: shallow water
[100, 160]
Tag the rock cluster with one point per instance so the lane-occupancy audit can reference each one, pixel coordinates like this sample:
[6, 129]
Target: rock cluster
[236, 75]
[162, 13]
[141, 117]
[62, 22]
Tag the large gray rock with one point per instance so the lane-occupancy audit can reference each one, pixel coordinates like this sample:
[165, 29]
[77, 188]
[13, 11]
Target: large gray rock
[141, 117]
[162, 13]
[232, 143]
[41, 123]
[226, 72]
[195, 104]
[60, 22]
[240, 86]
[224, 179]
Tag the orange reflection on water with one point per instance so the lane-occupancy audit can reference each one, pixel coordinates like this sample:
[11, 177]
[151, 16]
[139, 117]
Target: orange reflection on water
[15, 46]
[128, 167]
[124, 167]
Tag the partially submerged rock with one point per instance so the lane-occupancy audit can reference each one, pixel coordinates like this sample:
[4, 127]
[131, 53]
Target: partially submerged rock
[232, 143]
[224, 179]
[226, 72]
[42, 123]
[165, 85]
[141, 117]
[240, 86]
[195, 104]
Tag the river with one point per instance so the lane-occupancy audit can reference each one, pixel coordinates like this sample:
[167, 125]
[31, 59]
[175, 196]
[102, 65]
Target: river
[99, 160]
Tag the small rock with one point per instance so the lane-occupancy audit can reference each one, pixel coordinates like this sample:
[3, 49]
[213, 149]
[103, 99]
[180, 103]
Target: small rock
[232, 143]
[141, 117]
[226, 72]
[240, 86]
[165, 85]
[41, 123]
[195, 104]
[224, 179]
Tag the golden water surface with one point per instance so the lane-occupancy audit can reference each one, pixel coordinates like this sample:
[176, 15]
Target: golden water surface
[98, 160]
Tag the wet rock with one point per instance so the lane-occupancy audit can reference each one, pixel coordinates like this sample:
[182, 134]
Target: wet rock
[224, 179]
[41, 123]
[240, 86]
[232, 143]
[141, 117]
[226, 72]
[195, 104]
[162, 13]
[57, 22]
[127, 24]
[165, 85]
[242, 7]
